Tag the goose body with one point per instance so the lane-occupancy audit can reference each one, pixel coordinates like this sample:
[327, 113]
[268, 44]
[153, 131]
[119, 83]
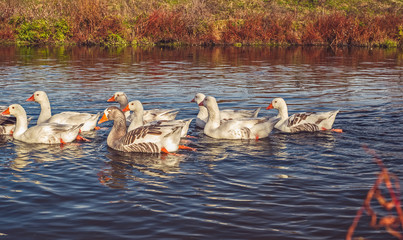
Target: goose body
[146, 139]
[88, 121]
[138, 119]
[301, 122]
[252, 128]
[225, 114]
[47, 133]
[148, 115]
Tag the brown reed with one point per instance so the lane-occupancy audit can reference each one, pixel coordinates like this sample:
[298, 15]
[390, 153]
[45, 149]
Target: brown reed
[204, 22]
[392, 223]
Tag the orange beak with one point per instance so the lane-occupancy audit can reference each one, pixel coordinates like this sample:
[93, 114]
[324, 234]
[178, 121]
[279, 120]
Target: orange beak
[193, 100]
[6, 112]
[270, 106]
[126, 108]
[112, 99]
[103, 119]
[31, 99]
[201, 103]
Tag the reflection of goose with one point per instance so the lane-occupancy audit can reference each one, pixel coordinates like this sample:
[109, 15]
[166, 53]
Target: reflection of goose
[72, 118]
[138, 118]
[150, 139]
[120, 169]
[48, 133]
[252, 128]
[149, 115]
[225, 114]
[302, 122]
[27, 153]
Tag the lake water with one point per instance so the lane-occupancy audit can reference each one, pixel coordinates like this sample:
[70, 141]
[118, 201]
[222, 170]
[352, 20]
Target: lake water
[301, 186]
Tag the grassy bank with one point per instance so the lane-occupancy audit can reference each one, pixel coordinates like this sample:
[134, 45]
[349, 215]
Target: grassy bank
[203, 22]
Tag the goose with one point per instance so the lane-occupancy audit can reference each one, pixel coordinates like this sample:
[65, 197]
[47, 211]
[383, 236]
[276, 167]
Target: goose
[47, 133]
[149, 115]
[252, 128]
[225, 114]
[302, 122]
[7, 122]
[145, 139]
[138, 118]
[72, 118]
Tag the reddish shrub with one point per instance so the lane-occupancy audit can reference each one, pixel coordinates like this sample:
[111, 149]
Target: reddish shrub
[6, 32]
[260, 28]
[163, 26]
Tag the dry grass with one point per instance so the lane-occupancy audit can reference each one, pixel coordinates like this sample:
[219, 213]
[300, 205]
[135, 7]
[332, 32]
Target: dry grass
[330, 22]
[391, 223]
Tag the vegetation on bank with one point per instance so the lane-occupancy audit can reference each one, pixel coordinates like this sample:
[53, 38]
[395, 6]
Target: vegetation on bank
[371, 23]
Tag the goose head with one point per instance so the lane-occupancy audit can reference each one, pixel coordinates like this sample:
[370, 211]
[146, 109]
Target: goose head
[133, 106]
[112, 113]
[39, 97]
[199, 97]
[277, 103]
[118, 97]
[15, 110]
[210, 103]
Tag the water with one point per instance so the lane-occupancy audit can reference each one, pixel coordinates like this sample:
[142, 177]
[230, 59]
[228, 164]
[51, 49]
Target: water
[302, 186]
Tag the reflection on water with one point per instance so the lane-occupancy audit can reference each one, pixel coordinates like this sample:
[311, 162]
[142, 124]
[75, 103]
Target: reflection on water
[43, 153]
[287, 186]
[121, 166]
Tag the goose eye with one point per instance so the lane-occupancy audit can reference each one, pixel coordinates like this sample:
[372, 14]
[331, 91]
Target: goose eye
[37, 94]
[12, 107]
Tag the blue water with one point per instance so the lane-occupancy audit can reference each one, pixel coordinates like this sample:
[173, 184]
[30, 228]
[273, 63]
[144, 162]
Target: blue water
[301, 186]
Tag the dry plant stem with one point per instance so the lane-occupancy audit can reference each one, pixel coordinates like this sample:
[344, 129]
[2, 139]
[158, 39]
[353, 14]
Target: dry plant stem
[391, 223]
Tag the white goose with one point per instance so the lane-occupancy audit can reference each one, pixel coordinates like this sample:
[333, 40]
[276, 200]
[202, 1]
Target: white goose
[225, 114]
[252, 128]
[302, 122]
[146, 139]
[138, 118]
[48, 133]
[149, 115]
[73, 118]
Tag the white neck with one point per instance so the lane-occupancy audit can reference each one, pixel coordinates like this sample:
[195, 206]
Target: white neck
[283, 112]
[21, 125]
[137, 118]
[203, 113]
[213, 120]
[46, 112]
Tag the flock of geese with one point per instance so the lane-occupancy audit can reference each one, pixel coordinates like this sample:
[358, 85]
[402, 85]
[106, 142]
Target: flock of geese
[154, 131]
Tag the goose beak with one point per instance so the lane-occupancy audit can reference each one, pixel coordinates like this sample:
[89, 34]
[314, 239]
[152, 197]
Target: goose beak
[270, 106]
[126, 108]
[193, 100]
[6, 112]
[103, 119]
[201, 103]
[112, 99]
[31, 99]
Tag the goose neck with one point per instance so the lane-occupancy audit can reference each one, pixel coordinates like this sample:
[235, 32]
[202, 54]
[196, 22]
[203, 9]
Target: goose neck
[46, 111]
